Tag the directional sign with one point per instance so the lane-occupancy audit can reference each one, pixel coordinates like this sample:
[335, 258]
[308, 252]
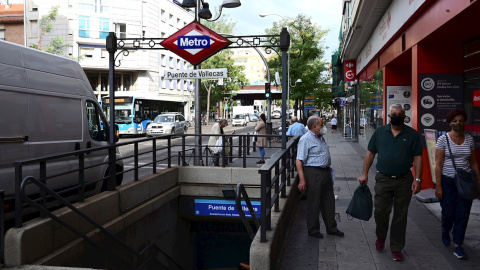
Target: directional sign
[195, 43]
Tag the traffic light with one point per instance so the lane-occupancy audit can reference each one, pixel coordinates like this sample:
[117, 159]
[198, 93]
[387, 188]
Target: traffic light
[267, 90]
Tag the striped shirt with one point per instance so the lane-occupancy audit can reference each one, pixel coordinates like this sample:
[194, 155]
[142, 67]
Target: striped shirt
[313, 151]
[461, 154]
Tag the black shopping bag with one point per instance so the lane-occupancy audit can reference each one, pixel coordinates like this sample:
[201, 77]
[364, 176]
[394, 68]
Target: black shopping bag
[361, 205]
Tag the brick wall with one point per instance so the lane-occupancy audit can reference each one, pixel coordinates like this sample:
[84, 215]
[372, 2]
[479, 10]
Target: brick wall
[14, 33]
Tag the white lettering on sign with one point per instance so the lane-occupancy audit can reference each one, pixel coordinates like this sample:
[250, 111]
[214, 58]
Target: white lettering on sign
[186, 42]
[196, 74]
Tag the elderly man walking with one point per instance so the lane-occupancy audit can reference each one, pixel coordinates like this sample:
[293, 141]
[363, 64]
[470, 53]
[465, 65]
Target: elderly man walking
[296, 129]
[397, 146]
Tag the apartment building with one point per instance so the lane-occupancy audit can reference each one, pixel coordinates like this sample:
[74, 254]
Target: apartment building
[85, 24]
[11, 22]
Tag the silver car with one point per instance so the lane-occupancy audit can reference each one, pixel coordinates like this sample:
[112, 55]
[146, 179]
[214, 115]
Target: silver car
[167, 123]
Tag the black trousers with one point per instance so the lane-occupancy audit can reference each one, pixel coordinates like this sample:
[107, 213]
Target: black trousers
[320, 199]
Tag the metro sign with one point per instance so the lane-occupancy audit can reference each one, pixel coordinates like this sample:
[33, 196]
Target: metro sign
[350, 70]
[195, 43]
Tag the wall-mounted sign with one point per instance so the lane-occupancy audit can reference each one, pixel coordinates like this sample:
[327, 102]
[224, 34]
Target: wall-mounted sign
[401, 95]
[223, 208]
[438, 94]
[350, 70]
[342, 101]
[196, 74]
[476, 98]
[195, 43]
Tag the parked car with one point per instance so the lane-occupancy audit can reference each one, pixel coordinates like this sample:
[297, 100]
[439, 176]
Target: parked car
[276, 114]
[254, 118]
[239, 120]
[167, 123]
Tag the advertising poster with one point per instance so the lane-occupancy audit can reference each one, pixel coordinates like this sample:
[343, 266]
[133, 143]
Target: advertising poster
[438, 94]
[401, 95]
[431, 141]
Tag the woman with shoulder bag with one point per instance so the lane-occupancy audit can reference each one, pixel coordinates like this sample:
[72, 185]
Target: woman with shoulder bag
[455, 209]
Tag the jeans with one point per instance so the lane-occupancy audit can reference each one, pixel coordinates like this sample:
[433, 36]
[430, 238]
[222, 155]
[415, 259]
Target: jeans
[262, 152]
[455, 210]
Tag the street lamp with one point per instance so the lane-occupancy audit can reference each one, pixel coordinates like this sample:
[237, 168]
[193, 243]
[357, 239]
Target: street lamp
[263, 15]
[204, 11]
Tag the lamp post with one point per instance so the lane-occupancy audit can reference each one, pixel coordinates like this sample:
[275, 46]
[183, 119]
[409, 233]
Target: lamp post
[202, 11]
[263, 15]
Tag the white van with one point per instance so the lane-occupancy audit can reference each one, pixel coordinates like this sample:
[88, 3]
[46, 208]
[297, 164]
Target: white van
[47, 107]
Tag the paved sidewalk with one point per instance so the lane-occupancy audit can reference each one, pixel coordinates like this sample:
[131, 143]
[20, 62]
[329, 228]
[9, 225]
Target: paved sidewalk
[423, 250]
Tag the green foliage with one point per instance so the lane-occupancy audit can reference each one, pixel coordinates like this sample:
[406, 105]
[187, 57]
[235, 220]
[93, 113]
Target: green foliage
[306, 59]
[211, 90]
[57, 46]
[46, 23]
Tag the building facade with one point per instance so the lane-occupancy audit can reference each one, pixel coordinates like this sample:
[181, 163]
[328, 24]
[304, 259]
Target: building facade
[85, 24]
[11, 22]
[423, 54]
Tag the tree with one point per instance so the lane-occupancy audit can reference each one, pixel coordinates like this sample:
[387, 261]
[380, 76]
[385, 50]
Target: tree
[236, 78]
[306, 59]
[45, 25]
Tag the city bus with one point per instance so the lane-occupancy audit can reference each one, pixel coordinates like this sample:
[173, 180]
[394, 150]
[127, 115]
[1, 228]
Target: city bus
[132, 114]
[134, 111]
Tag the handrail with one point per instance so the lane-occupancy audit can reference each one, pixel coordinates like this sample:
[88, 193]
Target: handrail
[45, 211]
[279, 181]
[238, 202]
[2, 228]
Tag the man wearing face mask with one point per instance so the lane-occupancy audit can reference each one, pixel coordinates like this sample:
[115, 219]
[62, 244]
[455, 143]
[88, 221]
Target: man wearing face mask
[313, 166]
[397, 146]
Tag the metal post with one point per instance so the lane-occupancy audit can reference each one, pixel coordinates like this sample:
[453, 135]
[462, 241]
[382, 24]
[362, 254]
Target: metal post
[284, 46]
[111, 45]
[357, 112]
[198, 115]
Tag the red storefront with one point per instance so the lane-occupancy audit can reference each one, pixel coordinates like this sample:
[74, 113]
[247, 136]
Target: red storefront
[433, 48]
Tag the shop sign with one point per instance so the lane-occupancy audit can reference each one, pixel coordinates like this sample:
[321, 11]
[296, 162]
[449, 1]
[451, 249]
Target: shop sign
[438, 94]
[476, 98]
[350, 70]
[195, 43]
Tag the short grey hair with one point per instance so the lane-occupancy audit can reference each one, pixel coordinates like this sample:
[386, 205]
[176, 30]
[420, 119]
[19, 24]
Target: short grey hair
[223, 122]
[312, 120]
[396, 106]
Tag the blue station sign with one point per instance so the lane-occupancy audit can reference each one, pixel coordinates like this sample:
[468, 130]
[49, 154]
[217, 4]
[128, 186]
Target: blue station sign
[223, 208]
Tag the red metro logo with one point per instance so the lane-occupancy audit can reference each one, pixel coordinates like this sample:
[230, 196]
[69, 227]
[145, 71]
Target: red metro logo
[350, 70]
[195, 43]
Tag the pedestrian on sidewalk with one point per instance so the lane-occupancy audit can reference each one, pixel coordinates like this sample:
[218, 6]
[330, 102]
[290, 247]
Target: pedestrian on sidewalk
[313, 166]
[397, 146]
[216, 140]
[455, 209]
[296, 129]
[333, 123]
[261, 129]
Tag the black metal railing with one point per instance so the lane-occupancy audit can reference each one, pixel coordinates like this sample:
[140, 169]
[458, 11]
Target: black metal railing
[141, 259]
[282, 164]
[238, 202]
[241, 145]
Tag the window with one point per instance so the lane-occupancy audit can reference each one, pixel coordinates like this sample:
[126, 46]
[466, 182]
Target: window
[120, 30]
[170, 19]
[104, 53]
[162, 15]
[94, 123]
[33, 29]
[162, 61]
[178, 23]
[102, 6]
[2, 34]
[84, 26]
[86, 5]
[162, 35]
[104, 27]
[170, 62]
[86, 52]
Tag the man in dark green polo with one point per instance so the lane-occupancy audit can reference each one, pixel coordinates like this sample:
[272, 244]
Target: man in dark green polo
[397, 146]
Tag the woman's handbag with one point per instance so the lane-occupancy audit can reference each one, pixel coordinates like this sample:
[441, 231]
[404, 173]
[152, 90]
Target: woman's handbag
[254, 138]
[465, 182]
[361, 205]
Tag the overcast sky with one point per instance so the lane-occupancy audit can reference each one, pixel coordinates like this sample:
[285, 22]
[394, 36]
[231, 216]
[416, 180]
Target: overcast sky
[325, 13]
